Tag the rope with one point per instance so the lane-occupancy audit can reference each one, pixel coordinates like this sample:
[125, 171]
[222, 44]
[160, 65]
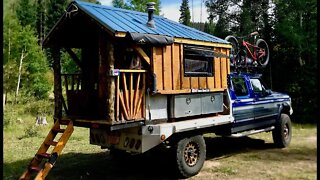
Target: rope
[68, 14]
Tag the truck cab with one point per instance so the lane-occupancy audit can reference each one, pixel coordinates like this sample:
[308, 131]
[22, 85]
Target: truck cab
[255, 106]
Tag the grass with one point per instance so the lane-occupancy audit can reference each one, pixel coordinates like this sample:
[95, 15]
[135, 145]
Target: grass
[252, 157]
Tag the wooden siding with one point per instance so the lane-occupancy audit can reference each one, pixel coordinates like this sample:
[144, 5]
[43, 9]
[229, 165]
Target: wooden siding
[167, 65]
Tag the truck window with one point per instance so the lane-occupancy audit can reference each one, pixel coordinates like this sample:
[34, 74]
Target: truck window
[257, 85]
[239, 86]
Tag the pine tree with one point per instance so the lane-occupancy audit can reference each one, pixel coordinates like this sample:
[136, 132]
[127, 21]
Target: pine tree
[185, 16]
[55, 9]
[26, 13]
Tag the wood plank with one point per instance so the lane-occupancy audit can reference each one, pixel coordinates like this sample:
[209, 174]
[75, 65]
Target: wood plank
[131, 92]
[117, 98]
[176, 76]
[194, 82]
[228, 61]
[210, 80]
[142, 93]
[142, 54]
[157, 67]
[126, 94]
[202, 43]
[167, 69]
[185, 81]
[202, 82]
[136, 94]
[132, 70]
[217, 71]
[223, 69]
[124, 108]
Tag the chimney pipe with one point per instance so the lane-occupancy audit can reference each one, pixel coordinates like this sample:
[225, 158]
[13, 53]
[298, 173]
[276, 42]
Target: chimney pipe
[151, 9]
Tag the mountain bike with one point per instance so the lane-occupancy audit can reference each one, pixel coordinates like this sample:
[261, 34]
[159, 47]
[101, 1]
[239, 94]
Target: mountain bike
[246, 53]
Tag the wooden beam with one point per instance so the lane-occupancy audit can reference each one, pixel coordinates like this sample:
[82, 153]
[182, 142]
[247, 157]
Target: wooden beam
[74, 57]
[57, 83]
[141, 52]
[202, 43]
[120, 34]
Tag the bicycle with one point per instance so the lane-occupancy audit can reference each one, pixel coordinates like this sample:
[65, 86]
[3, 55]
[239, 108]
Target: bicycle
[248, 54]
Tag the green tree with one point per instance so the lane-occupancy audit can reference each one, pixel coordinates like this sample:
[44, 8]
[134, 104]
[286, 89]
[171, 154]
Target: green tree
[209, 27]
[185, 16]
[295, 49]
[26, 13]
[141, 5]
[21, 52]
[55, 9]
[120, 4]
[137, 5]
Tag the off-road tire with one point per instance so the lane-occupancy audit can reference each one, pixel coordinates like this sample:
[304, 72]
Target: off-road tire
[263, 61]
[234, 52]
[283, 131]
[190, 155]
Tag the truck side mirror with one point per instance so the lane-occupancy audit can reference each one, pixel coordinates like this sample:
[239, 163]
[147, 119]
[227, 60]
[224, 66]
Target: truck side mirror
[266, 92]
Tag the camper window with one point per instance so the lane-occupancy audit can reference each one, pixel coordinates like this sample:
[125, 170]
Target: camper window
[198, 61]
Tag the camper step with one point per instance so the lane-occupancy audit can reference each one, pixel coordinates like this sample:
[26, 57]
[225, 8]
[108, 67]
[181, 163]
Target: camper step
[51, 143]
[44, 155]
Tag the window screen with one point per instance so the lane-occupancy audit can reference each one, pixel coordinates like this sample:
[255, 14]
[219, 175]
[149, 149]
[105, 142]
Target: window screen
[198, 61]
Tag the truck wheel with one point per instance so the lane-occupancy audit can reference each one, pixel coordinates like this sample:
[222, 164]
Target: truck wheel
[190, 155]
[282, 132]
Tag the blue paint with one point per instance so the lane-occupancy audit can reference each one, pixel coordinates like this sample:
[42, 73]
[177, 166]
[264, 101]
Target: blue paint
[121, 20]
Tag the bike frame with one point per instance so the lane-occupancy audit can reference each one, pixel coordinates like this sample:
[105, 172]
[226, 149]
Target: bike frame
[257, 52]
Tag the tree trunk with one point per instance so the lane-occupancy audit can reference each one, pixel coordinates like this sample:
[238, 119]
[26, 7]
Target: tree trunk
[19, 75]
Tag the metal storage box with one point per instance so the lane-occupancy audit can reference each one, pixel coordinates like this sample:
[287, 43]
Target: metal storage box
[195, 104]
[211, 103]
[185, 105]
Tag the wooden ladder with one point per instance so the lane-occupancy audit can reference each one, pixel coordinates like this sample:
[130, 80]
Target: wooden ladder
[42, 168]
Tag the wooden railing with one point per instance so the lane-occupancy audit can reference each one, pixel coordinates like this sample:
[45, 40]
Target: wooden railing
[72, 83]
[130, 95]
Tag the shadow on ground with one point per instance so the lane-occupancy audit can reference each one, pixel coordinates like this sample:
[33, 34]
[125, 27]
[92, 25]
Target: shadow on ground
[152, 165]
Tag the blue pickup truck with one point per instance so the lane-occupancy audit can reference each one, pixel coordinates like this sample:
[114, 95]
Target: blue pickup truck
[258, 109]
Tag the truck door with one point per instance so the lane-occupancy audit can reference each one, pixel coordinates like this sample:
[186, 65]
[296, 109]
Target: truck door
[265, 108]
[243, 104]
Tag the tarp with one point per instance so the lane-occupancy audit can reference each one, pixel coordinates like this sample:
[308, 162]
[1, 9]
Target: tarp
[155, 40]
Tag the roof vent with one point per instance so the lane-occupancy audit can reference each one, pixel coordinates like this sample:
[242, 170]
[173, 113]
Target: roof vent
[151, 9]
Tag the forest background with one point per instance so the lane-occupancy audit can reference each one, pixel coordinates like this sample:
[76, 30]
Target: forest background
[288, 26]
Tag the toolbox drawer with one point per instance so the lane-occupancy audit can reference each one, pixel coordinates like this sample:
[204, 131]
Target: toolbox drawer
[195, 104]
[211, 103]
[185, 105]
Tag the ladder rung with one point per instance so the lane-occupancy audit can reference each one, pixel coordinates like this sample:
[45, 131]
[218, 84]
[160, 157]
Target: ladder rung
[64, 122]
[58, 130]
[34, 168]
[44, 155]
[52, 143]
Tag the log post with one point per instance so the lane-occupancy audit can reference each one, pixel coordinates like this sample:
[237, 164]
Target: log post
[106, 82]
[57, 83]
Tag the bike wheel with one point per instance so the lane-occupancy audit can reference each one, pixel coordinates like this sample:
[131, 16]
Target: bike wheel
[262, 52]
[234, 58]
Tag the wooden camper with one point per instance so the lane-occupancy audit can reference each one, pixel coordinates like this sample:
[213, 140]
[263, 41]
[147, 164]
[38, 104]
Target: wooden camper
[123, 61]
